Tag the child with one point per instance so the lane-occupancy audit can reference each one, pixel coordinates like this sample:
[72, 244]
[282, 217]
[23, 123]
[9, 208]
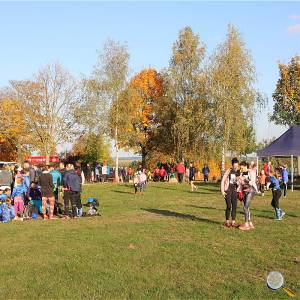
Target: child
[18, 197]
[276, 193]
[262, 182]
[139, 181]
[2, 195]
[35, 197]
[7, 212]
[285, 179]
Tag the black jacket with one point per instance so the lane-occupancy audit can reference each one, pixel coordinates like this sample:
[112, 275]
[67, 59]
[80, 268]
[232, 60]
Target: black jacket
[46, 184]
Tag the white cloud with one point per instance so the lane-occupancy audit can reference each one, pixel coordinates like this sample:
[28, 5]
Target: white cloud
[294, 29]
[294, 17]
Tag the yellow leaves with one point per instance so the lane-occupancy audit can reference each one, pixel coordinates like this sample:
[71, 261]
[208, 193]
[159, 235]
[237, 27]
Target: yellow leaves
[149, 83]
[133, 112]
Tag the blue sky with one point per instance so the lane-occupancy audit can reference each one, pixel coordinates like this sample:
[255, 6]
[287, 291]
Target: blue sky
[36, 33]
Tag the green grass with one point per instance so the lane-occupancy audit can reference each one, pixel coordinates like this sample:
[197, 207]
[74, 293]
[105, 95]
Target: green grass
[167, 244]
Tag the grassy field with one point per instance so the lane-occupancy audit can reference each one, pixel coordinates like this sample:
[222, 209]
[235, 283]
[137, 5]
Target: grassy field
[167, 244]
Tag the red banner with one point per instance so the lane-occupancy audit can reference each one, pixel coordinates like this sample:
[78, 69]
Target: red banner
[42, 159]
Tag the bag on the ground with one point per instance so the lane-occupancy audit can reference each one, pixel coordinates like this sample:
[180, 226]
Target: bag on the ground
[92, 204]
[28, 211]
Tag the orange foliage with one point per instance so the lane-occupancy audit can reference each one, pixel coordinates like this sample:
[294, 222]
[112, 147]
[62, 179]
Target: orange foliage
[149, 82]
[148, 86]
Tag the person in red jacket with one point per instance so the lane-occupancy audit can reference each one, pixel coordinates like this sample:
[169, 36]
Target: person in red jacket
[162, 174]
[156, 175]
[130, 173]
[180, 171]
[268, 168]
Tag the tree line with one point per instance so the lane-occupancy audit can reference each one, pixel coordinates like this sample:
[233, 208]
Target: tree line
[199, 105]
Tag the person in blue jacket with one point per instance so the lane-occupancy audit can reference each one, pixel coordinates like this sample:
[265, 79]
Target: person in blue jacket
[276, 194]
[7, 212]
[72, 191]
[285, 179]
[57, 182]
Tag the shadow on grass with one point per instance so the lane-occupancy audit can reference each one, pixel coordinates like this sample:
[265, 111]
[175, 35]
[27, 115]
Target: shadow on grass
[175, 214]
[164, 188]
[208, 187]
[205, 207]
[123, 192]
[200, 193]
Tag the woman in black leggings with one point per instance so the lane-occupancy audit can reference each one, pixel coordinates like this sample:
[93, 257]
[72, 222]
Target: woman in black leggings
[229, 191]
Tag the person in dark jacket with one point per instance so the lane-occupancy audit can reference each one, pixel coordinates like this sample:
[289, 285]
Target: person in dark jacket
[47, 187]
[192, 172]
[72, 189]
[205, 172]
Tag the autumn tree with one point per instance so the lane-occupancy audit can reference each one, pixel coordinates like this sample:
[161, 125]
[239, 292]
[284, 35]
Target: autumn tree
[15, 136]
[102, 89]
[287, 94]
[186, 89]
[232, 95]
[91, 147]
[138, 118]
[47, 102]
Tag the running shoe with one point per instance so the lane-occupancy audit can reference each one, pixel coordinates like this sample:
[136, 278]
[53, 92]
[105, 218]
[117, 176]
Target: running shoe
[251, 225]
[234, 225]
[245, 227]
[227, 225]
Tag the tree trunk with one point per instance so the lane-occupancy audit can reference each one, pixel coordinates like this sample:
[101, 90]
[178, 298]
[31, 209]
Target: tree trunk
[223, 160]
[117, 155]
[19, 156]
[144, 155]
[47, 158]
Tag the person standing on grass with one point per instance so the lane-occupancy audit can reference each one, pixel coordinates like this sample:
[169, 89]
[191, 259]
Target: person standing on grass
[247, 182]
[57, 181]
[47, 187]
[156, 174]
[262, 182]
[139, 181]
[229, 191]
[276, 194]
[205, 172]
[72, 188]
[192, 176]
[18, 195]
[162, 174]
[180, 171]
[268, 168]
[130, 173]
[285, 179]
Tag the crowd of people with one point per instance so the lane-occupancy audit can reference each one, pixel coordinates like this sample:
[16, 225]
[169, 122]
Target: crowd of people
[240, 182]
[103, 172]
[180, 171]
[30, 192]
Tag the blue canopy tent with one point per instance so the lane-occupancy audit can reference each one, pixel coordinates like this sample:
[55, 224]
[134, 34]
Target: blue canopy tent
[288, 144]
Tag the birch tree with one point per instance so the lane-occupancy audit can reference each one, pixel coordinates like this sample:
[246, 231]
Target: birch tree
[109, 80]
[185, 87]
[232, 95]
[48, 102]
